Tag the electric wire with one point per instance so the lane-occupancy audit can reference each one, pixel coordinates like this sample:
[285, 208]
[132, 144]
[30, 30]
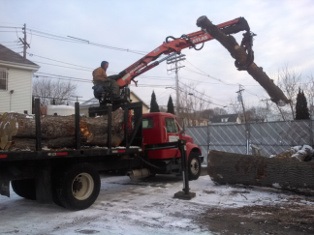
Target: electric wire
[231, 84]
[79, 66]
[81, 41]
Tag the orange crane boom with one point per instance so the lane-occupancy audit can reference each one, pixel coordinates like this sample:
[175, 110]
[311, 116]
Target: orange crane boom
[173, 46]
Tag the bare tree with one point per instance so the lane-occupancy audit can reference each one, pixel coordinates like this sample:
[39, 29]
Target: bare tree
[256, 114]
[309, 91]
[219, 111]
[53, 91]
[191, 104]
[289, 81]
[235, 106]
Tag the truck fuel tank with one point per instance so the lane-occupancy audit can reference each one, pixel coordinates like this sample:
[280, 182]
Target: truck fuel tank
[139, 173]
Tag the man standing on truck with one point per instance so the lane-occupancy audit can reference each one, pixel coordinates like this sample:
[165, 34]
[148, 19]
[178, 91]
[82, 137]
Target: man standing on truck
[101, 80]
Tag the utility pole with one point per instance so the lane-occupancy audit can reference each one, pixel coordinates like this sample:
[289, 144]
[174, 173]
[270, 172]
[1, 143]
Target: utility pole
[77, 97]
[175, 60]
[267, 108]
[267, 103]
[24, 41]
[240, 99]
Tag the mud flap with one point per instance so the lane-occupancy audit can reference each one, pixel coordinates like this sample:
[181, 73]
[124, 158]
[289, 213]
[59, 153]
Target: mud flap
[5, 188]
[43, 185]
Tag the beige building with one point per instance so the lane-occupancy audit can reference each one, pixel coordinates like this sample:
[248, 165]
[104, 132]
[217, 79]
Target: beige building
[16, 75]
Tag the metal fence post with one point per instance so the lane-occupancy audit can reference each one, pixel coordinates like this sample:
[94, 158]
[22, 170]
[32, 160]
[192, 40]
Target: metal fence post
[185, 193]
[37, 125]
[77, 126]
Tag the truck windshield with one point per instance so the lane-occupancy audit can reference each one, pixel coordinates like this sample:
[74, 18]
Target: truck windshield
[171, 125]
[147, 123]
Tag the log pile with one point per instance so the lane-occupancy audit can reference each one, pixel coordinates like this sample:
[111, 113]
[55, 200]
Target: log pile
[18, 131]
[284, 173]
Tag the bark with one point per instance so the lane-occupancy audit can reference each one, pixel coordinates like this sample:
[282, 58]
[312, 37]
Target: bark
[240, 54]
[18, 131]
[288, 174]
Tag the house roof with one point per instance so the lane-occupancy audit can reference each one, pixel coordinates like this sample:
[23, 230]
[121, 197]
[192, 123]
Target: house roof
[227, 117]
[91, 102]
[10, 57]
[138, 98]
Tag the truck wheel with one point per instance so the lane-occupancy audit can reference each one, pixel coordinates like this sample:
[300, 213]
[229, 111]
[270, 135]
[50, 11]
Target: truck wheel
[77, 188]
[25, 188]
[194, 166]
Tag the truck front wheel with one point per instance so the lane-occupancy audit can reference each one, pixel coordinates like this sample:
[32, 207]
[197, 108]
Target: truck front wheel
[77, 188]
[194, 166]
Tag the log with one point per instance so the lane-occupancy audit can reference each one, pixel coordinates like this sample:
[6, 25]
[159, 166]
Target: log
[288, 174]
[240, 54]
[18, 131]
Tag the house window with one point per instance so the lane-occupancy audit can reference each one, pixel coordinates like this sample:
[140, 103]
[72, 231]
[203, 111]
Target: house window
[224, 119]
[3, 79]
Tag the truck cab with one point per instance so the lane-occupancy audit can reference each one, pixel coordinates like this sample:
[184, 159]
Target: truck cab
[159, 128]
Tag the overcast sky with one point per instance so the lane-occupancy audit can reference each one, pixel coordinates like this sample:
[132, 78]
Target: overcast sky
[120, 31]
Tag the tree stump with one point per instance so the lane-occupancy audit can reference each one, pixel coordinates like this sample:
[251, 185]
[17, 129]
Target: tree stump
[241, 56]
[289, 174]
[18, 131]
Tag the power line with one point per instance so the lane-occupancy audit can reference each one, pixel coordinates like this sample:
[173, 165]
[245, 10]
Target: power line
[39, 62]
[57, 76]
[83, 41]
[201, 72]
[201, 95]
[61, 77]
[9, 42]
[71, 39]
[80, 67]
[6, 31]
[31, 54]
[219, 80]
[10, 27]
[194, 90]
[151, 86]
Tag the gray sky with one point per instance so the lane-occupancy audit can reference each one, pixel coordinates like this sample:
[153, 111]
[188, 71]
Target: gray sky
[117, 30]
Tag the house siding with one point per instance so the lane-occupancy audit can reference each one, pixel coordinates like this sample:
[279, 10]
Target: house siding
[20, 82]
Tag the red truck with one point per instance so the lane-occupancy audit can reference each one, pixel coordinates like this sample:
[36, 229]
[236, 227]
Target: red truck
[164, 128]
[153, 143]
[71, 177]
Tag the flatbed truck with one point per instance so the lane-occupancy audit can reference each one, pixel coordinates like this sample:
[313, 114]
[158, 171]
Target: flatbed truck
[71, 177]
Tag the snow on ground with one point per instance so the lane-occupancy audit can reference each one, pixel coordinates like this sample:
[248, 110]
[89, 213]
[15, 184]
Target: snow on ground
[135, 208]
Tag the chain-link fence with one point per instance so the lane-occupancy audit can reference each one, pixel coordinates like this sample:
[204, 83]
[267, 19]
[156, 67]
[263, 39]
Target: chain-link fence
[267, 138]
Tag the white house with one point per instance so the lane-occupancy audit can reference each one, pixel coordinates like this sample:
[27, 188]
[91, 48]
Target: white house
[15, 81]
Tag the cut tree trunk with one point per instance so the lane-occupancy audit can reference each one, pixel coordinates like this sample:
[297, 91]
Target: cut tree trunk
[18, 131]
[288, 174]
[241, 56]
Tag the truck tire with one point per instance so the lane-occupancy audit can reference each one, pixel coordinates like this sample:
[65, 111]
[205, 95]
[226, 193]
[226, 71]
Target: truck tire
[194, 166]
[77, 187]
[25, 188]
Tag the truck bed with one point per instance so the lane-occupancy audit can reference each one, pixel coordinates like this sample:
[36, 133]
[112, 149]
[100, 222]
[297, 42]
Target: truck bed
[67, 153]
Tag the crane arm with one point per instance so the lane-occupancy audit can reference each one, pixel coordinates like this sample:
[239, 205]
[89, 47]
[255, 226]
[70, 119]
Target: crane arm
[244, 58]
[173, 46]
